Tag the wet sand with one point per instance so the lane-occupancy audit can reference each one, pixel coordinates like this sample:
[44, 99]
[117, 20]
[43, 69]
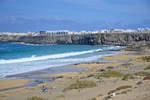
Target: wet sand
[33, 78]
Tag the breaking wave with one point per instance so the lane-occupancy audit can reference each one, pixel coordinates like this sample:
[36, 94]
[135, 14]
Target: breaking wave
[54, 56]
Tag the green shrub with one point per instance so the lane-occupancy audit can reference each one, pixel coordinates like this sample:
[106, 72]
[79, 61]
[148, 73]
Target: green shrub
[111, 73]
[81, 84]
[123, 87]
[36, 98]
[126, 76]
[124, 92]
[97, 75]
[100, 95]
[60, 96]
[94, 98]
[146, 58]
[142, 73]
[119, 88]
[111, 91]
[147, 68]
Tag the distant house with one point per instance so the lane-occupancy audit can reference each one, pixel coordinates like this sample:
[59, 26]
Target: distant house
[60, 32]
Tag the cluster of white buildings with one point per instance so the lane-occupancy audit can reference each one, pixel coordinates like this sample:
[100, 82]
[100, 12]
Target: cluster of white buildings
[65, 32]
[18, 33]
[139, 30]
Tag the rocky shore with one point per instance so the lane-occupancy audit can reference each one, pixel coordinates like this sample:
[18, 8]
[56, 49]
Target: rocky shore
[123, 39]
[124, 76]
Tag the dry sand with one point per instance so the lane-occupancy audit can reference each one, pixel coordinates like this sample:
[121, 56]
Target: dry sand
[11, 83]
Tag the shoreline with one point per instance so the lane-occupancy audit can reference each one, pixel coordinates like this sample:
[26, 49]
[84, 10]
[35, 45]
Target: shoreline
[39, 76]
[33, 81]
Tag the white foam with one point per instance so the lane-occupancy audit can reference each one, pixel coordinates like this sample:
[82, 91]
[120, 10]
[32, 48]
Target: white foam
[32, 44]
[36, 58]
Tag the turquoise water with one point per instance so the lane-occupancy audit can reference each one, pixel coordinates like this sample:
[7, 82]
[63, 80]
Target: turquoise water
[18, 57]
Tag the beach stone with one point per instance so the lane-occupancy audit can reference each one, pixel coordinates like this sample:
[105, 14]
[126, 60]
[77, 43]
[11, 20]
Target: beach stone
[132, 77]
[83, 77]
[139, 83]
[107, 98]
[59, 77]
[98, 62]
[39, 81]
[76, 64]
[101, 70]
[69, 77]
[90, 75]
[114, 94]
[147, 75]
[110, 67]
[146, 78]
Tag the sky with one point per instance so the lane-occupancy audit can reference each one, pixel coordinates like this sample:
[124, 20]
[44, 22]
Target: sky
[36, 15]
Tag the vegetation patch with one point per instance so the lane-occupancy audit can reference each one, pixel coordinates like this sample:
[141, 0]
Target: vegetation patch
[94, 98]
[119, 88]
[123, 87]
[97, 75]
[146, 58]
[126, 76]
[147, 68]
[99, 95]
[142, 73]
[81, 84]
[60, 96]
[36, 98]
[111, 73]
[110, 67]
[124, 92]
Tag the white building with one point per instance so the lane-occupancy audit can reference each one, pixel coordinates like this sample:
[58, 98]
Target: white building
[60, 32]
[143, 30]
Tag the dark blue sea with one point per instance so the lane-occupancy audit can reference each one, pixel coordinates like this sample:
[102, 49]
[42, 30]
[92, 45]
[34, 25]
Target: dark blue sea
[19, 57]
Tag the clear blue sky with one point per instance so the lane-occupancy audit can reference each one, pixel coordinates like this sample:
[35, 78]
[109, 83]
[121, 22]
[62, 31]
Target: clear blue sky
[69, 13]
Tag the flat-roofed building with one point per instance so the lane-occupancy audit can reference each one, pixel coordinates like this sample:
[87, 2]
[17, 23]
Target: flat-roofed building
[60, 32]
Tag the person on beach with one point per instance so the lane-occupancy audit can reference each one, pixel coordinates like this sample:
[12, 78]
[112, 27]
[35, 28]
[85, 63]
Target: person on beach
[44, 88]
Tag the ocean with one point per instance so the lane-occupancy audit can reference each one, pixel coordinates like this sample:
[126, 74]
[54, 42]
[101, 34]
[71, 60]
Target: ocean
[18, 58]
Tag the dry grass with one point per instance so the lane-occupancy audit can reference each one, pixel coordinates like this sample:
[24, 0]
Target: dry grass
[126, 76]
[60, 96]
[36, 98]
[119, 88]
[94, 98]
[81, 84]
[109, 73]
[147, 68]
[99, 95]
[146, 58]
[142, 73]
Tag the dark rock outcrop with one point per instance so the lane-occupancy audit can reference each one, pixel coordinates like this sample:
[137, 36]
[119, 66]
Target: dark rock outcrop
[123, 39]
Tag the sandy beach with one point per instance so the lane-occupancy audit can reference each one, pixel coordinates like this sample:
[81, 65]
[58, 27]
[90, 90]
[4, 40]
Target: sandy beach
[124, 76]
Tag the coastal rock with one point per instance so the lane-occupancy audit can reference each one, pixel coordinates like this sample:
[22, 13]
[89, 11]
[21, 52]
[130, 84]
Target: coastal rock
[122, 39]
